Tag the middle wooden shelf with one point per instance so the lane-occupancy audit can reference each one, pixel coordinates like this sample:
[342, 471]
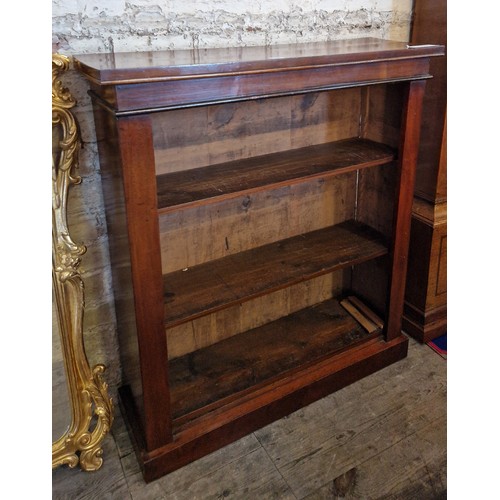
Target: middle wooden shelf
[221, 283]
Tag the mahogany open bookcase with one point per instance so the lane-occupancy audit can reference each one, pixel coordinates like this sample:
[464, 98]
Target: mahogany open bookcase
[258, 204]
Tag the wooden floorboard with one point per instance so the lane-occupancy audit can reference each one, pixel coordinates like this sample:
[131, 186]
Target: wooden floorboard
[376, 419]
[417, 465]
[107, 483]
[382, 437]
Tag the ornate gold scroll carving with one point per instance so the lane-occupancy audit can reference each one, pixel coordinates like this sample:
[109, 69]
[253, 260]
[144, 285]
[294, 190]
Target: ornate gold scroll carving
[91, 407]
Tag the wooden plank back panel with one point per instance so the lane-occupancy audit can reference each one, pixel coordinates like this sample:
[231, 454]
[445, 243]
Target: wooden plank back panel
[381, 113]
[218, 284]
[208, 330]
[205, 233]
[376, 192]
[197, 137]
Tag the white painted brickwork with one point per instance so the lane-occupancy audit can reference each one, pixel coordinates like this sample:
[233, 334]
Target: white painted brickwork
[93, 26]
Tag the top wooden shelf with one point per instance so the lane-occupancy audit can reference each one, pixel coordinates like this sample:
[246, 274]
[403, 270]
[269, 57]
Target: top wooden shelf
[228, 180]
[135, 67]
[137, 83]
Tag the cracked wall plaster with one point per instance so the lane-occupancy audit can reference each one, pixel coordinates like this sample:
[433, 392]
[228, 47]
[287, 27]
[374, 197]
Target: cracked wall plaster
[84, 26]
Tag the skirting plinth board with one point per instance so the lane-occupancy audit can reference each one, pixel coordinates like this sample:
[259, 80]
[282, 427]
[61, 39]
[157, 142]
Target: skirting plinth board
[425, 326]
[424, 314]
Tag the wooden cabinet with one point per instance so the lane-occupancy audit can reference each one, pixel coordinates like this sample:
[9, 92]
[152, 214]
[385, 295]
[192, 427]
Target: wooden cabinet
[425, 312]
[258, 204]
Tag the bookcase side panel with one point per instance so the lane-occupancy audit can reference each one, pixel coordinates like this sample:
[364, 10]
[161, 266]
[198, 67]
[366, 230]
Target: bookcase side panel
[136, 317]
[116, 220]
[139, 182]
[380, 121]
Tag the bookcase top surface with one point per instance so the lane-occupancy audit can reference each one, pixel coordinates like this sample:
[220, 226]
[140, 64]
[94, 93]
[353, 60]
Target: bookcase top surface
[137, 67]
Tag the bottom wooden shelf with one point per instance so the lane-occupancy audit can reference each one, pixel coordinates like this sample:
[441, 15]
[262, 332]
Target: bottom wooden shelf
[225, 391]
[208, 378]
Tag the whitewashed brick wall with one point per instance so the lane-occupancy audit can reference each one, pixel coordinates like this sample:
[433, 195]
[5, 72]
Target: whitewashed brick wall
[95, 26]
[86, 26]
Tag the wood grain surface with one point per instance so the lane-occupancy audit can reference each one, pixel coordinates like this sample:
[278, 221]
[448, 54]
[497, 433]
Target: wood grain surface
[218, 284]
[259, 355]
[232, 179]
[127, 67]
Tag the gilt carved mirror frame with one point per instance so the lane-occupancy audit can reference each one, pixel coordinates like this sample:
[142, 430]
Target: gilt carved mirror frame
[91, 407]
